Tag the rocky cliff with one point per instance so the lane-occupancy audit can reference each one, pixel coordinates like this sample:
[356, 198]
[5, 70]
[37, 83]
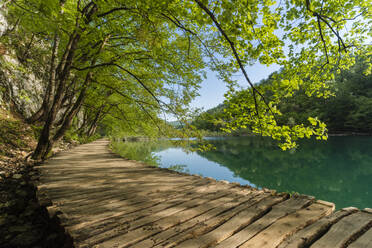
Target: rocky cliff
[20, 88]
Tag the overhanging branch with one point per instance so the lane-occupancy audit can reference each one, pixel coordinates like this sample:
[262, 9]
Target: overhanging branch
[232, 46]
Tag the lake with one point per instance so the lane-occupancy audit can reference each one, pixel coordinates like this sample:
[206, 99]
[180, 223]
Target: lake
[338, 170]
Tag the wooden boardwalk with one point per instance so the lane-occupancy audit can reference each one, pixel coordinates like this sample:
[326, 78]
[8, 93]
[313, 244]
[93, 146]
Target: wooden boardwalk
[106, 201]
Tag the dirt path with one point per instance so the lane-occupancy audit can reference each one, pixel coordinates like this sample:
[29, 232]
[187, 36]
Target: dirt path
[106, 201]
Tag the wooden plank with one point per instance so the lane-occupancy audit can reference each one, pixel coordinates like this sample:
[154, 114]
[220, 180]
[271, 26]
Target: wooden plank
[309, 234]
[89, 226]
[121, 194]
[221, 205]
[160, 225]
[233, 225]
[174, 200]
[111, 235]
[113, 204]
[278, 231]
[177, 209]
[344, 230]
[210, 224]
[365, 241]
[76, 195]
[278, 211]
[127, 207]
[368, 210]
[130, 212]
[87, 201]
[125, 179]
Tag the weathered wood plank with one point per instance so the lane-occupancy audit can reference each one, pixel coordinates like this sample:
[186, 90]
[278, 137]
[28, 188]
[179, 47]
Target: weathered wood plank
[72, 193]
[284, 227]
[365, 241]
[57, 182]
[162, 224]
[123, 179]
[220, 205]
[112, 204]
[151, 193]
[210, 224]
[126, 212]
[123, 194]
[184, 196]
[278, 211]
[340, 233]
[110, 238]
[233, 225]
[309, 234]
[82, 196]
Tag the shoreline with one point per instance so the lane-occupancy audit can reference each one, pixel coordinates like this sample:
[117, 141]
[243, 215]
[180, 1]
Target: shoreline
[350, 134]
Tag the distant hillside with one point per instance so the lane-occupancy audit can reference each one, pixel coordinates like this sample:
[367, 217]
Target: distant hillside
[349, 111]
[175, 124]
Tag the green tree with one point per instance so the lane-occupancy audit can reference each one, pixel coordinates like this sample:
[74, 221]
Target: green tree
[146, 57]
[124, 51]
[207, 120]
[349, 110]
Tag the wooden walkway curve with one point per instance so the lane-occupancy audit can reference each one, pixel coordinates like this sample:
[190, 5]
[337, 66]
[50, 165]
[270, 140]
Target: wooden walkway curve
[106, 201]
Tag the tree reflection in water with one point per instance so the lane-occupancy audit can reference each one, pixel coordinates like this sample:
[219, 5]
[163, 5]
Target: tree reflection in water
[339, 170]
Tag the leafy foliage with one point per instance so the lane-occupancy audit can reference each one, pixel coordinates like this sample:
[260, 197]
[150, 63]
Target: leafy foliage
[348, 110]
[208, 120]
[140, 151]
[310, 42]
[125, 66]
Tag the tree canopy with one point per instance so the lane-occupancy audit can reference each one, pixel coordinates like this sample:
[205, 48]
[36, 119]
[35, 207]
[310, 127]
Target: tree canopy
[127, 64]
[349, 110]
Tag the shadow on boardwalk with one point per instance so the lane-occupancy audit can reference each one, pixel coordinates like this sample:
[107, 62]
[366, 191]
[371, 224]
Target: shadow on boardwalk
[106, 201]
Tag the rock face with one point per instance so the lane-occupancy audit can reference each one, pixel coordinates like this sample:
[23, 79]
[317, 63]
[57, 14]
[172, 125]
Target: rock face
[3, 22]
[24, 69]
[20, 89]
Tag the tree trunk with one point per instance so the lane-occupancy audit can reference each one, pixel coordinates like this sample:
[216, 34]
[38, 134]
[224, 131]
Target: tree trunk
[81, 129]
[93, 126]
[44, 143]
[74, 110]
[92, 131]
[63, 70]
[50, 87]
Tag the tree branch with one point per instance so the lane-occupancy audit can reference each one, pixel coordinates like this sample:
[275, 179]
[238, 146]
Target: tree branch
[139, 81]
[232, 46]
[322, 38]
[114, 10]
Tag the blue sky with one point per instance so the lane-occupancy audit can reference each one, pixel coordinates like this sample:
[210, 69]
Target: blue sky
[212, 89]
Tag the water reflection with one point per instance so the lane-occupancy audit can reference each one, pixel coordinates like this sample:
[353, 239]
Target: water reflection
[339, 170]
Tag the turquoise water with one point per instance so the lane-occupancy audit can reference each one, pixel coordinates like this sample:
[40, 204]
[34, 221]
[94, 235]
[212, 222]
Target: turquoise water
[338, 170]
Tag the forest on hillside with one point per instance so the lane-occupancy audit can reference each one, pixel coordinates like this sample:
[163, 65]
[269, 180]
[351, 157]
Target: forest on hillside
[347, 110]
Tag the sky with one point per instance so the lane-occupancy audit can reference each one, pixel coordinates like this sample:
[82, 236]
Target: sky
[212, 89]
